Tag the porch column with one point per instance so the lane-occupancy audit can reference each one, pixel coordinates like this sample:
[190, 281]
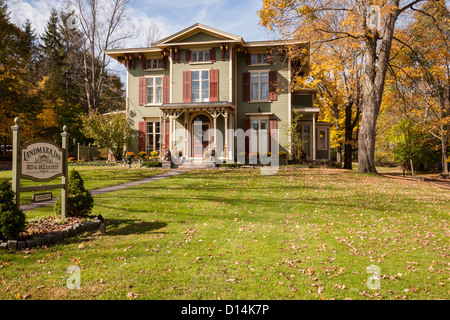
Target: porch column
[314, 137]
[214, 114]
[170, 133]
[225, 148]
[163, 137]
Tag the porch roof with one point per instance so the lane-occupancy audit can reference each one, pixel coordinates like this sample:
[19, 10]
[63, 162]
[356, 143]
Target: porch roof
[197, 106]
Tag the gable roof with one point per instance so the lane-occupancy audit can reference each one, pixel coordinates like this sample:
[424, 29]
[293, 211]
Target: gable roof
[196, 35]
[184, 35]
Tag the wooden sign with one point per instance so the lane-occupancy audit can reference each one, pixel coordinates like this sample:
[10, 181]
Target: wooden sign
[38, 197]
[41, 160]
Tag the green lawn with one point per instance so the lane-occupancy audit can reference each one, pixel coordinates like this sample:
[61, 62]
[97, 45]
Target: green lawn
[94, 178]
[235, 234]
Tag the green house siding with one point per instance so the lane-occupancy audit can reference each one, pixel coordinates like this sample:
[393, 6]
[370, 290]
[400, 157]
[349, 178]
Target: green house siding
[279, 108]
[200, 37]
[230, 65]
[222, 66]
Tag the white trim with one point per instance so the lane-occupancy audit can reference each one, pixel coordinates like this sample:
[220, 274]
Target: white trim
[230, 75]
[289, 108]
[154, 90]
[200, 85]
[198, 26]
[171, 79]
[259, 85]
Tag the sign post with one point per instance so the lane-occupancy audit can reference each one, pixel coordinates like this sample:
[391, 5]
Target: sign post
[65, 175]
[16, 129]
[42, 161]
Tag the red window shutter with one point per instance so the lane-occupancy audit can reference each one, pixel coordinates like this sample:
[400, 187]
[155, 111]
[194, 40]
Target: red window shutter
[187, 86]
[142, 136]
[273, 136]
[166, 89]
[142, 91]
[246, 86]
[248, 58]
[273, 88]
[164, 62]
[144, 63]
[246, 127]
[214, 85]
[167, 134]
[188, 56]
[212, 55]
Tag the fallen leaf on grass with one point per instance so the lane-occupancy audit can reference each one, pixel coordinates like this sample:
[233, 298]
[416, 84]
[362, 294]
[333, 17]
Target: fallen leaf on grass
[132, 295]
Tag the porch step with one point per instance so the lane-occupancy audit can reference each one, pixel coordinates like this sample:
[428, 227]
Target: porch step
[189, 164]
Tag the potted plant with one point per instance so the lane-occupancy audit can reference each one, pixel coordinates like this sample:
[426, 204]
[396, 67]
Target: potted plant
[283, 157]
[128, 156]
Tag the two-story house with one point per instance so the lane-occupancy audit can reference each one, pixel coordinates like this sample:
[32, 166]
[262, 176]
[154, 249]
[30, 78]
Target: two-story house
[191, 91]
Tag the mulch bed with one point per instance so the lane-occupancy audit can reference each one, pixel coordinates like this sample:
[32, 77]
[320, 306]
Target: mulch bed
[45, 225]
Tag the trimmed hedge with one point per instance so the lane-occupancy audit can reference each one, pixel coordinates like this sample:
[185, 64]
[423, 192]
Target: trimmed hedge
[12, 220]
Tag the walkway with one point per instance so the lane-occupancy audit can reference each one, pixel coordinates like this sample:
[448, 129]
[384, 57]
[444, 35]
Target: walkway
[171, 173]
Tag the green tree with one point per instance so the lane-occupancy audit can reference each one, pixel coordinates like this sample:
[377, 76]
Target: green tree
[113, 131]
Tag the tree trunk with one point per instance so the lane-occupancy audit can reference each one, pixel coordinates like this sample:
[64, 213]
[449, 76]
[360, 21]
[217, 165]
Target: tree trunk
[372, 91]
[444, 154]
[348, 149]
[366, 140]
[339, 155]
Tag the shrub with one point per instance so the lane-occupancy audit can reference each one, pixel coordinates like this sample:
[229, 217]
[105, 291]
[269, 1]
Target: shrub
[230, 165]
[12, 220]
[282, 155]
[151, 164]
[79, 200]
[142, 154]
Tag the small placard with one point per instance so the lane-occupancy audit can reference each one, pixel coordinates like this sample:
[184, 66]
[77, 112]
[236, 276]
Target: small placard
[42, 196]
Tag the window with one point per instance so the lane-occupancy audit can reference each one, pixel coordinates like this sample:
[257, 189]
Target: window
[200, 56]
[322, 140]
[153, 137]
[259, 136]
[259, 86]
[155, 64]
[154, 90]
[259, 58]
[200, 86]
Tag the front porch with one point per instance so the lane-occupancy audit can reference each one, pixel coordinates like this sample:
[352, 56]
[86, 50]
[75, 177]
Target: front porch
[197, 132]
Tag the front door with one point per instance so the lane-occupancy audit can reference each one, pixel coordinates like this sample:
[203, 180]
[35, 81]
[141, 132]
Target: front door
[200, 141]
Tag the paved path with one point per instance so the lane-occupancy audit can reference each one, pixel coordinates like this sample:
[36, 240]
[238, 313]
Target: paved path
[171, 173]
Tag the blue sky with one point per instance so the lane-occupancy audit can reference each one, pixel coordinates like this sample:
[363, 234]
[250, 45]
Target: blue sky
[237, 17]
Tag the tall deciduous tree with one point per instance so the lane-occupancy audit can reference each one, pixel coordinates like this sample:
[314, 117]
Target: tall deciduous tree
[101, 24]
[419, 81]
[329, 20]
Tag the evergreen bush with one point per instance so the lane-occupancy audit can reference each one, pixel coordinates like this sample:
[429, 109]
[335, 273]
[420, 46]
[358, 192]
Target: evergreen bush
[12, 220]
[151, 164]
[79, 200]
